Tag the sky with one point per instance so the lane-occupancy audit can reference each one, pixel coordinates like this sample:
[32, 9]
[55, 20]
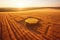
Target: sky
[29, 3]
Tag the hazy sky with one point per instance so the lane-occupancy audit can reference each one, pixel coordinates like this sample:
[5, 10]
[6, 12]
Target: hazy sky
[29, 3]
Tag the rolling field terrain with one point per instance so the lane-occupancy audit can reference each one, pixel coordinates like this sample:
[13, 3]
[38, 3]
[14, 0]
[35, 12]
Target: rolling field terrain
[13, 27]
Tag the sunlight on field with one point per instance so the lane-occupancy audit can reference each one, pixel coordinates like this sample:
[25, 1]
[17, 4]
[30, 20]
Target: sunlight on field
[31, 20]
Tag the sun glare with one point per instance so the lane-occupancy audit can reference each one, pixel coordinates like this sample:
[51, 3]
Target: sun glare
[20, 4]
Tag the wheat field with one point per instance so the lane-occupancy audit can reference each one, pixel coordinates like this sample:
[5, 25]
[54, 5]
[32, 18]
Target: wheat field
[13, 27]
